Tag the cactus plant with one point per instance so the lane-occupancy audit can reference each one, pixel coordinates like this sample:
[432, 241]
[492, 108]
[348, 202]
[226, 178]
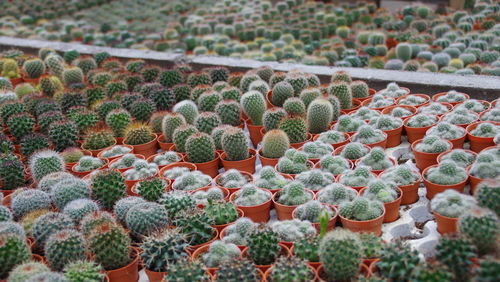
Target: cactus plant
[485, 130]
[343, 92]
[365, 113]
[335, 194]
[401, 175]
[312, 210]
[250, 195]
[340, 252]
[347, 123]
[118, 120]
[220, 252]
[446, 173]
[187, 270]
[397, 261]
[290, 269]
[79, 271]
[292, 162]
[254, 106]
[269, 178]
[455, 252]
[229, 112]
[376, 159]
[107, 187]
[14, 250]
[24, 271]
[11, 172]
[481, 227]
[361, 209]
[263, 247]
[485, 195]
[234, 143]
[196, 225]
[433, 144]
[319, 115]
[188, 109]
[380, 190]
[45, 162]
[452, 96]
[140, 169]
[163, 249]
[237, 269]
[63, 134]
[200, 148]
[63, 247]
[315, 179]
[207, 121]
[281, 91]
[34, 68]
[295, 128]
[48, 224]
[145, 218]
[354, 150]
[293, 194]
[137, 134]
[20, 125]
[109, 243]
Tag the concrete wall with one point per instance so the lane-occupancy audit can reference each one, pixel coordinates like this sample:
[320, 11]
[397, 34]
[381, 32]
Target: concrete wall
[478, 87]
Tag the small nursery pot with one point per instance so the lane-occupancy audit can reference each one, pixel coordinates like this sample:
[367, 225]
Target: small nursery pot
[210, 168]
[425, 96]
[101, 153]
[128, 273]
[247, 175]
[267, 161]
[445, 224]
[477, 144]
[161, 142]
[391, 208]
[222, 234]
[433, 189]
[331, 222]
[378, 172]
[393, 137]
[388, 110]
[458, 143]
[285, 251]
[373, 226]
[258, 213]
[409, 192]
[154, 276]
[300, 144]
[146, 149]
[336, 145]
[152, 157]
[247, 165]
[285, 212]
[190, 166]
[126, 168]
[415, 133]
[367, 102]
[436, 96]
[255, 133]
[200, 252]
[356, 104]
[16, 81]
[474, 181]
[424, 160]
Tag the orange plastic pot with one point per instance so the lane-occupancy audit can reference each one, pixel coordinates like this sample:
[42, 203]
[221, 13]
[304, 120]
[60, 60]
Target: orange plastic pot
[391, 208]
[388, 110]
[119, 140]
[268, 96]
[433, 189]
[255, 133]
[154, 276]
[267, 161]
[32, 81]
[474, 181]
[247, 175]
[128, 273]
[258, 213]
[147, 149]
[393, 137]
[436, 96]
[210, 168]
[16, 81]
[190, 166]
[415, 133]
[247, 165]
[425, 96]
[331, 222]
[477, 144]
[101, 153]
[163, 145]
[285, 212]
[193, 248]
[446, 225]
[424, 160]
[373, 226]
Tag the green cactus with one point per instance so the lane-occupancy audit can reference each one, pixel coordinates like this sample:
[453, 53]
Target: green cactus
[175, 202]
[198, 78]
[63, 247]
[196, 225]
[235, 144]
[380, 190]
[188, 109]
[319, 114]
[163, 249]
[49, 223]
[343, 92]
[11, 172]
[294, 106]
[63, 134]
[295, 128]
[281, 91]
[107, 187]
[14, 250]
[263, 247]
[138, 133]
[200, 148]
[10, 108]
[229, 112]
[69, 189]
[361, 209]
[254, 106]
[221, 212]
[220, 252]
[376, 159]
[145, 218]
[272, 118]
[433, 144]
[28, 200]
[309, 94]
[170, 78]
[237, 269]
[24, 271]
[123, 205]
[109, 243]
[446, 173]
[340, 252]
[79, 208]
[151, 189]
[118, 120]
[208, 100]
[85, 64]
[482, 227]
[485, 194]
[397, 261]
[312, 210]
[488, 270]
[293, 194]
[45, 162]
[80, 271]
[456, 253]
[206, 121]
[275, 143]
[34, 68]
[187, 270]
[72, 77]
[290, 269]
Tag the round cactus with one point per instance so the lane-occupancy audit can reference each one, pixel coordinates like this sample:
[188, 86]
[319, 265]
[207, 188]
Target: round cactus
[235, 144]
[64, 247]
[319, 115]
[146, 218]
[200, 148]
[340, 253]
[275, 143]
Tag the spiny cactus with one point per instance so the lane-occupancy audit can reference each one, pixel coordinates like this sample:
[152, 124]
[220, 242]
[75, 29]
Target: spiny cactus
[72, 77]
[295, 128]
[196, 225]
[446, 173]
[456, 252]
[162, 249]
[343, 92]
[200, 148]
[235, 144]
[281, 91]
[151, 189]
[365, 113]
[294, 194]
[45, 162]
[237, 269]
[187, 270]
[48, 224]
[221, 212]
[340, 252]
[482, 227]
[229, 112]
[401, 175]
[24, 271]
[109, 243]
[354, 150]
[146, 218]
[263, 247]
[63, 247]
[80, 271]
[107, 187]
[312, 210]
[319, 115]
[292, 162]
[347, 123]
[376, 159]
[79, 208]
[380, 190]
[315, 179]
[359, 89]
[361, 209]
[63, 134]
[254, 106]
[20, 125]
[290, 269]
[294, 106]
[137, 134]
[11, 172]
[67, 190]
[485, 195]
[219, 253]
[34, 68]
[433, 144]
[250, 195]
[188, 109]
[14, 250]
[207, 121]
[485, 130]
[397, 261]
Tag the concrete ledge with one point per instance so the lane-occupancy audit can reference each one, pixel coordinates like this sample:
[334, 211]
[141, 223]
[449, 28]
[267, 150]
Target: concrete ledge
[478, 87]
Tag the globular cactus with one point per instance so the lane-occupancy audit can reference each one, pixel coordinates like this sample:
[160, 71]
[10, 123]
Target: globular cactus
[290, 269]
[45, 162]
[72, 77]
[456, 252]
[294, 106]
[293, 194]
[263, 247]
[13, 250]
[229, 112]
[397, 261]
[237, 269]
[34, 68]
[361, 209]
[79, 208]
[235, 144]
[485, 194]
[142, 109]
[340, 252]
[221, 212]
[376, 159]
[433, 144]
[67, 190]
[401, 175]
[109, 243]
[259, 85]
[118, 120]
[207, 121]
[319, 115]
[49, 223]
[200, 148]
[98, 138]
[146, 218]
[275, 143]
[482, 227]
[123, 205]
[220, 252]
[488, 270]
[207, 100]
[24, 271]
[63, 247]
[250, 195]
[171, 77]
[312, 210]
[11, 172]
[138, 133]
[196, 225]
[10, 108]
[380, 190]
[295, 128]
[107, 187]
[359, 89]
[254, 106]
[81, 270]
[230, 93]
[354, 150]
[163, 248]
[281, 91]
[151, 189]
[198, 78]
[10, 68]
[188, 109]
[403, 51]
[272, 118]
[187, 270]
[309, 94]
[63, 134]
[175, 202]
[29, 200]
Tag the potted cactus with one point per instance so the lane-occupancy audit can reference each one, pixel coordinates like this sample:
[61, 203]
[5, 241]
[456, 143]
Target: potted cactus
[352, 151]
[316, 149]
[238, 269]
[364, 113]
[293, 162]
[461, 117]
[407, 179]
[292, 195]
[124, 162]
[447, 208]
[274, 145]
[394, 91]
[481, 135]
[170, 122]
[376, 160]
[237, 232]
[362, 215]
[140, 170]
[286, 268]
[486, 166]
[378, 102]
[268, 178]
[142, 138]
[356, 178]
[435, 108]
[165, 158]
[87, 164]
[400, 111]
[189, 180]
[427, 150]
[461, 157]
[200, 149]
[386, 192]
[312, 212]
[254, 106]
[417, 125]
[215, 254]
[233, 180]
[446, 175]
[115, 152]
[195, 223]
[222, 213]
[415, 100]
[333, 137]
[264, 247]
[453, 97]
[391, 126]
[315, 179]
[348, 124]
[455, 134]
[254, 202]
[236, 154]
[202, 195]
[334, 164]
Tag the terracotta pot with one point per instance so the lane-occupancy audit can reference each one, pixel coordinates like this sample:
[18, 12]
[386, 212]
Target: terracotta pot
[477, 144]
[128, 273]
[336, 145]
[285, 212]
[378, 172]
[190, 166]
[331, 222]
[372, 226]
[300, 144]
[391, 208]
[101, 153]
[154, 276]
[416, 133]
[95, 153]
[210, 168]
[16, 81]
[285, 251]
[163, 145]
[255, 133]
[267, 161]
[147, 149]
[192, 249]
[126, 168]
[247, 175]
[119, 140]
[474, 181]
[424, 160]
[356, 104]
[222, 234]
[269, 270]
[446, 225]
[201, 251]
[258, 213]
[32, 81]
[393, 137]
[433, 189]
[425, 96]
[247, 165]
[268, 96]
[436, 96]
[367, 102]
[388, 110]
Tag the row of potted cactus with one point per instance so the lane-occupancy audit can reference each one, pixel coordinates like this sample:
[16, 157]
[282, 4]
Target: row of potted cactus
[109, 167]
